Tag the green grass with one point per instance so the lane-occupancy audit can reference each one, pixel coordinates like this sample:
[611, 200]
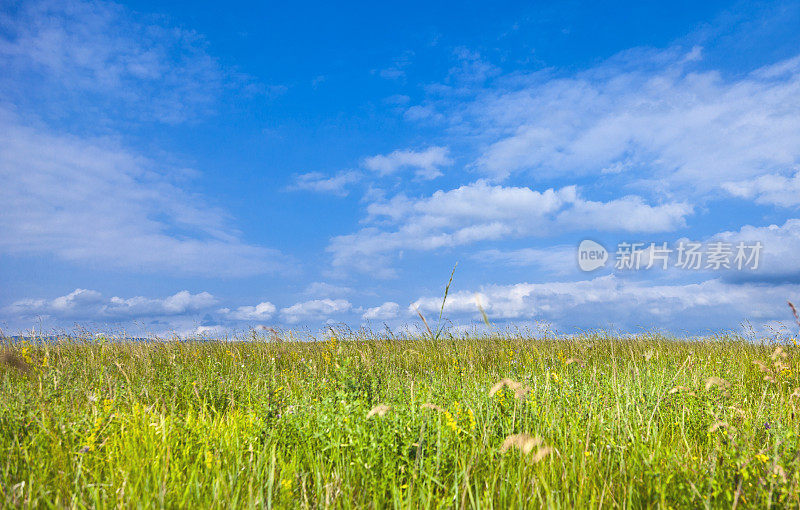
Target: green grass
[623, 422]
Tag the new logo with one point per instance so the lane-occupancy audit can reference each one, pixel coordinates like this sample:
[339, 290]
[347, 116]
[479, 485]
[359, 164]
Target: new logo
[591, 255]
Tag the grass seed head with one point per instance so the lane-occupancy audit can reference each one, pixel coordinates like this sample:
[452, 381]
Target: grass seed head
[523, 442]
[778, 353]
[519, 389]
[716, 381]
[541, 453]
[380, 410]
[779, 472]
[761, 366]
[718, 425]
[738, 411]
[794, 312]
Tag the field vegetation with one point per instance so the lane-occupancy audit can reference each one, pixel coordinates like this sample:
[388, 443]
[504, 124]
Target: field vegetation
[494, 421]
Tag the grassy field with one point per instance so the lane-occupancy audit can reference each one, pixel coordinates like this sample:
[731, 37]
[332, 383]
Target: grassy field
[490, 422]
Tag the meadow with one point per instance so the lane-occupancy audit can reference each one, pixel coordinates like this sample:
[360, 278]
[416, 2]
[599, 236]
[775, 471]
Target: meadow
[360, 420]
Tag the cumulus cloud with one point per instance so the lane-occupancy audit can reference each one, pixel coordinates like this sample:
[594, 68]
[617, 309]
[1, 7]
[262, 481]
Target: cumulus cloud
[84, 304]
[426, 163]
[386, 311]
[260, 312]
[608, 301]
[482, 212]
[779, 259]
[315, 309]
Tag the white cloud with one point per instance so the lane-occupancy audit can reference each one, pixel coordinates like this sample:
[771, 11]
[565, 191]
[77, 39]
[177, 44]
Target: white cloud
[426, 163]
[112, 62]
[386, 311]
[471, 67]
[655, 117]
[481, 212]
[83, 304]
[86, 67]
[417, 113]
[93, 201]
[780, 255]
[768, 189]
[626, 214]
[215, 332]
[613, 301]
[260, 312]
[320, 183]
[316, 310]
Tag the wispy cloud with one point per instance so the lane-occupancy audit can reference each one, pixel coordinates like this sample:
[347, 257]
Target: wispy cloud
[114, 65]
[657, 118]
[770, 189]
[397, 71]
[320, 183]
[326, 290]
[427, 163]
[555, 260]
[93, 201]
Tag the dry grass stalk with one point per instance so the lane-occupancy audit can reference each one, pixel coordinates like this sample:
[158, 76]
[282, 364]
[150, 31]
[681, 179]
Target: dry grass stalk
[380, 410]
[519, 389]
[523, 442]
[794, 312]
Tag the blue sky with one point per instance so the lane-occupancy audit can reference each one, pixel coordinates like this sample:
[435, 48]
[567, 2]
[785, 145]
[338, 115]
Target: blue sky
[202, 168]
